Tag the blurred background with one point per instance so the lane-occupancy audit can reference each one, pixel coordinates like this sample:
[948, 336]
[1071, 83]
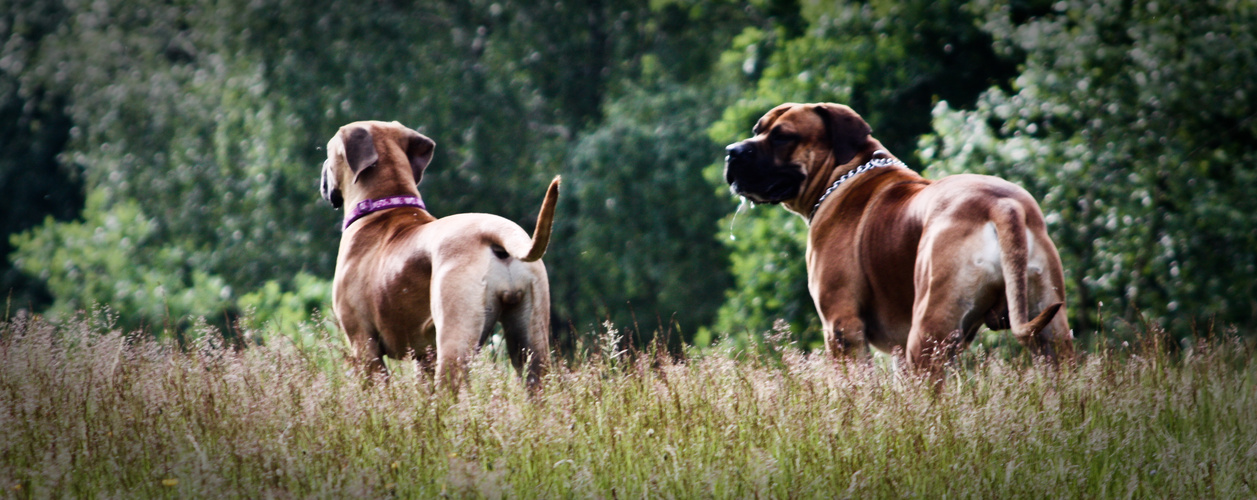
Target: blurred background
[159, 160]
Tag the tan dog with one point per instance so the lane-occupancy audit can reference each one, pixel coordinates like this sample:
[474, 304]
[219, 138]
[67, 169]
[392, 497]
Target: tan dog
[898, 261]
[407, 281]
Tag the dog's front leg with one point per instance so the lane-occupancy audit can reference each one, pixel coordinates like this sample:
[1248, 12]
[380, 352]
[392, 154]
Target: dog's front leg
[843, 329]
[845, 338]
[368, 354]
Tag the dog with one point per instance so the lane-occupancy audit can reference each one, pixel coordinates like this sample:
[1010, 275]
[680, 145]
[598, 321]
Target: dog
[407, 282]
[895, 261]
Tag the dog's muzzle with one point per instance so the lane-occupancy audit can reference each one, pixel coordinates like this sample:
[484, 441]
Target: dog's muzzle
[752, 174]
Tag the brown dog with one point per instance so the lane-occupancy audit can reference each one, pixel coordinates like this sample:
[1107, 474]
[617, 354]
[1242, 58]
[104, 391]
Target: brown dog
[407, 281]
[898, 261]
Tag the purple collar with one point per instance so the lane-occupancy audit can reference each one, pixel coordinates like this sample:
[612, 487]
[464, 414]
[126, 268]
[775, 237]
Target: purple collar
[367, 207]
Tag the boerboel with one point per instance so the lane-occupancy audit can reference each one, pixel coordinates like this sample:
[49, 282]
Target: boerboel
[896, 261]
[407, 282]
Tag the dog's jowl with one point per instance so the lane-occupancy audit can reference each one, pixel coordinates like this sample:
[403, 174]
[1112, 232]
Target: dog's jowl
[896, 261]
[407, 282]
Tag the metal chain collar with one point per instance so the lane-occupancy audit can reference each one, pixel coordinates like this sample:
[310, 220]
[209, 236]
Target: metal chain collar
[870, 165]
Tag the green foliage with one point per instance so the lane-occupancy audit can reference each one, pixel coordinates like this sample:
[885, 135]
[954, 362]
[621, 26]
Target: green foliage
[1133, 124]
[272, 310]
[34, 129]
[149, 285]
[636, 228]
[166, 125]
[766, 246]
[210, 120]
[199, 128]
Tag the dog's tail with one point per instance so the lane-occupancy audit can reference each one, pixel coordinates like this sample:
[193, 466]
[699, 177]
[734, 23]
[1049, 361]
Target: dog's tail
[545, 221]
[1010, 226]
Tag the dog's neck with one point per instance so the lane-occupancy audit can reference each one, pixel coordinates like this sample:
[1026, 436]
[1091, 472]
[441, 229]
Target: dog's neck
[880, 158]
[809, 202]
[370, 206]
[385, 191]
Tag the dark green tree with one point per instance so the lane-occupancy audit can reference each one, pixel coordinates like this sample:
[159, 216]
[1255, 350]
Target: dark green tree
[638, 224]
[34, 129]
[208, 123]
[204, 125]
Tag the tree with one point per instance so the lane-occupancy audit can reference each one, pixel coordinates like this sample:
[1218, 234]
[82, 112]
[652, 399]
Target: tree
[636, 231]
[206, 124]
[209, 122]
[34, 129]
[150, 285]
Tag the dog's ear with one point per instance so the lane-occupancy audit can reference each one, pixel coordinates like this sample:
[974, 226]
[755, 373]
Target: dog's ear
[848, 133]
[360, 150]
[419, 149]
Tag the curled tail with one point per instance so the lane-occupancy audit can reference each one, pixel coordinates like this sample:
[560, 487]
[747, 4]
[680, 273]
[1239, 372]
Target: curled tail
[1009, 218]
[545, 221]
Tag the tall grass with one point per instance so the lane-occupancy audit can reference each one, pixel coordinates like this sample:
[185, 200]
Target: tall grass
[89, 412]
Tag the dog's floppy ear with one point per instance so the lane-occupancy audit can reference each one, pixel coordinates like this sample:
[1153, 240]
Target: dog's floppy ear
[419, 149]
[360, 150]
[848, 133]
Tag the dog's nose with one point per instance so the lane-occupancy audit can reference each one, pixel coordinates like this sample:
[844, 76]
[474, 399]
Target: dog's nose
[737, 151]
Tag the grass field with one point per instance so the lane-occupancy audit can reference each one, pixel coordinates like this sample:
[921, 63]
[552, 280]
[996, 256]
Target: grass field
[86, 412]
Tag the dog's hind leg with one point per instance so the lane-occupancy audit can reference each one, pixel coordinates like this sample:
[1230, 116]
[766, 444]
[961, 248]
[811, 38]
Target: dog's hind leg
[953, 287]
[1033, 299]
[526, 325]
[938, 334]
[459, 316]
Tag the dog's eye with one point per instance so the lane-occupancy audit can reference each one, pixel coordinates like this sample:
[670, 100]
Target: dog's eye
[782, 140]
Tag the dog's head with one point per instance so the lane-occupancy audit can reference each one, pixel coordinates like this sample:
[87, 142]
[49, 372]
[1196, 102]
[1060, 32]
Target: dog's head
[364, 151]
[792, 145]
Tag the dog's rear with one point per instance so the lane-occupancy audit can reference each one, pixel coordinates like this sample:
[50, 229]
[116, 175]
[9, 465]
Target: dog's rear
[991, 261]
[518, 298]
[511, 287]
[521, 305]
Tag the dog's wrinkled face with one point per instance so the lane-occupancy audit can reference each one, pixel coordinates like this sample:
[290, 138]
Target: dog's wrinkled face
[790, 144]
[361, 146]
